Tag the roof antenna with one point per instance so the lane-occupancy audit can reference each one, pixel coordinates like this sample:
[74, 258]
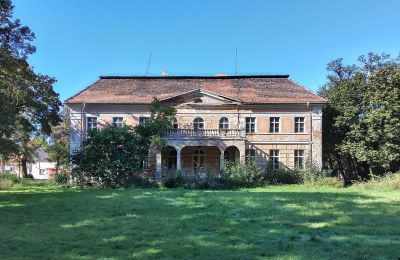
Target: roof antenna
[236, 64]
[148, 64]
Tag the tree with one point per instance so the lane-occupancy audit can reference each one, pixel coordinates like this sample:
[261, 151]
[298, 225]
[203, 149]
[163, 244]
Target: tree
[113, 157]
[28, 103]
[361, 122]
[59, 143]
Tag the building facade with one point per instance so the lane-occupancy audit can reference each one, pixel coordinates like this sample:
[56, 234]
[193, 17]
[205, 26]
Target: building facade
[266, 118]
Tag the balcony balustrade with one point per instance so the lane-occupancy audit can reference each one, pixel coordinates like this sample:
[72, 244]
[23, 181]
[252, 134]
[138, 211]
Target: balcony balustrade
[205, 133]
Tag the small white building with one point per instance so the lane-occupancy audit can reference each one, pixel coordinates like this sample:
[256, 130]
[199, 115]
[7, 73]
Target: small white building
[42, 169]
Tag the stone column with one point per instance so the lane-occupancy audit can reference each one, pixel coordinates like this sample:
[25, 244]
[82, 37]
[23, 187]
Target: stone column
[221, 160]
[158, 165]
[178, 159]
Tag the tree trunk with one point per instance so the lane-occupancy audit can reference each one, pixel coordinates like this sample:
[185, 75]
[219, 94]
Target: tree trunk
[24, 167]
[57, 164]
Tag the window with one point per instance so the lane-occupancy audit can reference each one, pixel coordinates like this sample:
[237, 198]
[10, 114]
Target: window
[143, 119]
[226, 156]
[299, 159]
[42, 171]
[274, 124]
[118, 121]
[274, 157]
[250, 154]
[172, 157]
[250, 125]
[91, 123]
[198, 123]
[224, 123]
[299, 124]
[175, 124]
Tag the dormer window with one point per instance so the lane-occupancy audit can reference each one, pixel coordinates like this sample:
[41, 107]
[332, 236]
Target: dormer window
[198, 123]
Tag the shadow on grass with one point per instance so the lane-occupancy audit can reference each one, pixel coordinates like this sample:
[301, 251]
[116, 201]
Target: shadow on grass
[198, 224]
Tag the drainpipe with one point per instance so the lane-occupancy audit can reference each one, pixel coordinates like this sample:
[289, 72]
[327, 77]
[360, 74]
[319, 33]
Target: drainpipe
[82, 124]
[310, 139]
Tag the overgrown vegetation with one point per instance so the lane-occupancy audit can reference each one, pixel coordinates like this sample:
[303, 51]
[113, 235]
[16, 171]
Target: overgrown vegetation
[361, 122]
[116, 156]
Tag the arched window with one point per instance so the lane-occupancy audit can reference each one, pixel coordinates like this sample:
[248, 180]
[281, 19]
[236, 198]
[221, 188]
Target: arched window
[224, 123]
[172, 156]
[198, 123]
[226, 156]
[175, 124]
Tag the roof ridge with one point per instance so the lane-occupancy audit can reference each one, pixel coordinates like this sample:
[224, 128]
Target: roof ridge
[195, 77]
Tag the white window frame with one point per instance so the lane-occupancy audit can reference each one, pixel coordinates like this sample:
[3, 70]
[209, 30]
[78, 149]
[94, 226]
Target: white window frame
[88, 121]
[255, 124]
[144, 118]
[299, 155]
[118, 124]
[296, 124]
[273, 129]
[275, 158]
[227, 123]
[203, 122]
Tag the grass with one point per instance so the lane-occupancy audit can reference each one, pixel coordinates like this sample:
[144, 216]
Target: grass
[282, 222]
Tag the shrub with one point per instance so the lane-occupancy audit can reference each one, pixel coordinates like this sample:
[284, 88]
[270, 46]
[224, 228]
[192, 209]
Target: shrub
[61, 178]
[284, 176]
[389, 181]
[237, 175]
[6, 184]
[326, 181]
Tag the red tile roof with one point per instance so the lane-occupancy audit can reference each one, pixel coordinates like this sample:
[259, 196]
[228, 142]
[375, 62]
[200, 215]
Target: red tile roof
[247, 89]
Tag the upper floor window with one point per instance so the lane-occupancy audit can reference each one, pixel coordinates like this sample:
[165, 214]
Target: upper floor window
[250, 154]
[118, 121]
[143, 119]
[175, 124]
[274, 157]
[299, 159]
[274, 124]
[224, 123]
[198, 123]
[91, 123]
[299, 124]
[250, 124]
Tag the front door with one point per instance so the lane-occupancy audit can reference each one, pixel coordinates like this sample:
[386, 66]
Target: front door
[198, 162]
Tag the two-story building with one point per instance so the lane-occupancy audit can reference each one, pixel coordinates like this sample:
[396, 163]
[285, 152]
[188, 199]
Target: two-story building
[268, 118]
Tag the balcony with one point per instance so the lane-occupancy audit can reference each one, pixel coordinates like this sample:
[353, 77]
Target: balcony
[205, 133]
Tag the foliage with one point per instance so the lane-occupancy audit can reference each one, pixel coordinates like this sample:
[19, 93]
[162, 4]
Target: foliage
[28, 103]
[360, 124]
[284, 176]
[243, 175]
[58, 143]
[7, 180]
[108, 158]
[115, 156]
[389, 181]
[61, 178]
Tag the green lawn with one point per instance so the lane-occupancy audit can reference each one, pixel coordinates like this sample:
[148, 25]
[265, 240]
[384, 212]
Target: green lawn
[294, 222]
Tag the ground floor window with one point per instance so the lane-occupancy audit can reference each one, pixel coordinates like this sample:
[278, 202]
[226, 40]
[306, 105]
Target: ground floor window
[299, 159]
[274, 158]
[198, 161]
[172, 157]
[250, 154]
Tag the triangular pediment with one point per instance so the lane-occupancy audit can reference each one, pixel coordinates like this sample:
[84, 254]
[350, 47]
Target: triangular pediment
[199, 97]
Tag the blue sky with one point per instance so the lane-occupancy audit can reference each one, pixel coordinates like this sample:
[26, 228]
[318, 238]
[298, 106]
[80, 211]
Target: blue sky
[79, 40]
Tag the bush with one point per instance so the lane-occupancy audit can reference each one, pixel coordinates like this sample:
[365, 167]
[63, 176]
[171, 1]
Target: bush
[61, 179]
[284, 176]
[237, 175]
[389, 181]
[326, 181]
[111, 158]
[6, 184]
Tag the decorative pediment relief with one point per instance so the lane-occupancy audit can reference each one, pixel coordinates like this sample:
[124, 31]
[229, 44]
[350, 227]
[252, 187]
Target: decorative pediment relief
[199, 97]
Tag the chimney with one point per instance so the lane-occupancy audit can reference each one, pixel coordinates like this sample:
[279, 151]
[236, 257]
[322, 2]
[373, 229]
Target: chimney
[164, 73]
